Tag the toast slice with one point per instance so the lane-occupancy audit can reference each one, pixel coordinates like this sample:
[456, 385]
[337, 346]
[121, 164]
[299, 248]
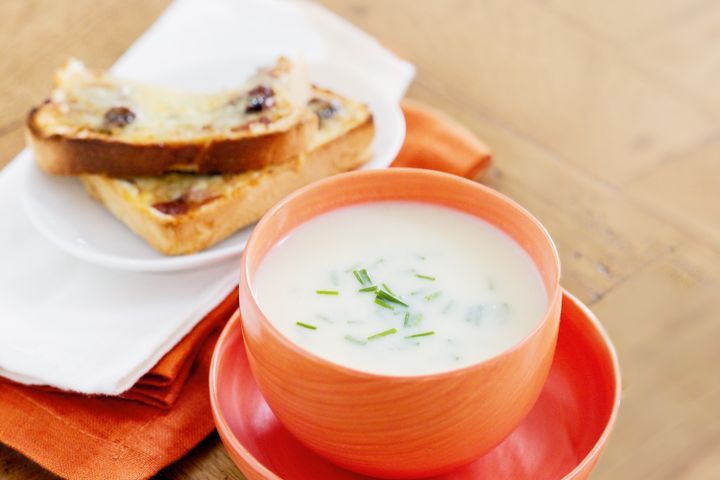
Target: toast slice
[182, 213]
[97, 123]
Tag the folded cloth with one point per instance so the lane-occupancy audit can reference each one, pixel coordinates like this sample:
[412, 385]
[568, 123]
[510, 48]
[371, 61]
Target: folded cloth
[92, 437]
[81, 437]
[161, 386]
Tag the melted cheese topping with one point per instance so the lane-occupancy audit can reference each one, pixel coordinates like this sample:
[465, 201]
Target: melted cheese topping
[82, 98]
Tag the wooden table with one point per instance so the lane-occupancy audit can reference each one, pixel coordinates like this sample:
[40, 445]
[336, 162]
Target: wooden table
[605, 120]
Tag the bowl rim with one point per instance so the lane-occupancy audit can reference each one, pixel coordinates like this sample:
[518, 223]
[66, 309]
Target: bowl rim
[602, 440]
[241, 454]
[432, 175]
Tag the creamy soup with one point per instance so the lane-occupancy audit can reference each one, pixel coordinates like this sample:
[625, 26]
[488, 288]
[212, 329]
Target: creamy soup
[400, 288]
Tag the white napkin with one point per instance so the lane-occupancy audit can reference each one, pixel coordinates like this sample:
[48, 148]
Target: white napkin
[78, 327]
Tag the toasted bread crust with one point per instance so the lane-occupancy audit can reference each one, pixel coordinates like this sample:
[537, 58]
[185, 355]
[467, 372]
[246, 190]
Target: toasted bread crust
[210, 223]
[61, 155]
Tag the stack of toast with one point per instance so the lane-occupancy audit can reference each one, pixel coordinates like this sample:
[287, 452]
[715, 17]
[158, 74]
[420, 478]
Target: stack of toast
[186, 170]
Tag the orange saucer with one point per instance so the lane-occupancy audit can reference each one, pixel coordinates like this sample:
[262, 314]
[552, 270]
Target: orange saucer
[561, 438]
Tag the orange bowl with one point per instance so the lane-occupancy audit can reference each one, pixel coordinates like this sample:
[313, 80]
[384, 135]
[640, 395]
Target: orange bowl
[399, 426]
[562, 437]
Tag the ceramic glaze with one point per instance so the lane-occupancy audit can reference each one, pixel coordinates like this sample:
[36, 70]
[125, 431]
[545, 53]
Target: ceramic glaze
[401, 288]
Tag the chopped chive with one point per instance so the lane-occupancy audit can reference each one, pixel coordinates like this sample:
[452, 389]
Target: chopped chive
[432, 296]
[424, 334]
[368, 289]
[421, 257]
[359, 341]
[383, 334]
[387, 289]
[418, 292]
[383, 295]
[362, 276]
[306, 325]
[406, 322]
[426, 277]
[354, 321]
[327, 292]
[365, 275]
[383, 304]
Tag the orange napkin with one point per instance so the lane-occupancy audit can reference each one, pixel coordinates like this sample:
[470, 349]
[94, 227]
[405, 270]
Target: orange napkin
[437, 142]
[168, 411]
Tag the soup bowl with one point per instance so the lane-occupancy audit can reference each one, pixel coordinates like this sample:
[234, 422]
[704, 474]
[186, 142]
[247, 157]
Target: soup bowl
[394, 426]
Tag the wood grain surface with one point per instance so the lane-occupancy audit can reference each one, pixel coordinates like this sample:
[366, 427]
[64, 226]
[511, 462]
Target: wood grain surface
[605, 120]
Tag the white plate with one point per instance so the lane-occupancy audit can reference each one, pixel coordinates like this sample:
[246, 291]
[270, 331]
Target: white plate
[61, 210]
